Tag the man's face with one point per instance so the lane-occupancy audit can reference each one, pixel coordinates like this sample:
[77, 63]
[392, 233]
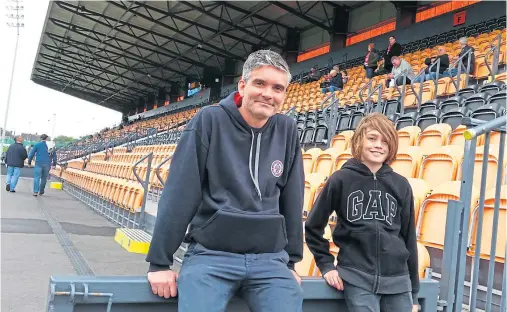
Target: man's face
[263, 93]
[396, 62]
[441, 51]
[392, 40]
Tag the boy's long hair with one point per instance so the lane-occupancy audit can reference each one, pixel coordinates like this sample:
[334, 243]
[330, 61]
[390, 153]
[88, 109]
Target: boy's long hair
[384, 126]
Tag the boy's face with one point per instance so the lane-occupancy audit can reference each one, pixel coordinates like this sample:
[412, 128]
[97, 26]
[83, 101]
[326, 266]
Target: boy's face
[375, 148]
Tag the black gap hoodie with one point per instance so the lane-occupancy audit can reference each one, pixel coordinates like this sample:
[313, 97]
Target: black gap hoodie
[375, 230]
[240, 189]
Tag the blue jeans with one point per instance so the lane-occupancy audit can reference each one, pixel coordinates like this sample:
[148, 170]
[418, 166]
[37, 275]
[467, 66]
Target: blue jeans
[370, 71]
[209, 279]
[40, 177]
[330, 89]
[13, 176]
[361, 300]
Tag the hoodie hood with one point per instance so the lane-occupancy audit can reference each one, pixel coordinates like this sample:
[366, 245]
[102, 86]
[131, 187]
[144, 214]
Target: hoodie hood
[357, 166]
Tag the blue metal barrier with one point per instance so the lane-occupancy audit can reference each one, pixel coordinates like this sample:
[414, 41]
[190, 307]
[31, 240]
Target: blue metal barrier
[133, 293]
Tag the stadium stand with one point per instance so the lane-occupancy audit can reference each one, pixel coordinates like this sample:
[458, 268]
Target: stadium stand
[430, 118]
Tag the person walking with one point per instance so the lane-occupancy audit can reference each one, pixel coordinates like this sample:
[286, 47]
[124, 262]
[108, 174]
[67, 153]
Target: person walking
[15, 160]
[44, 159]
[237, 178]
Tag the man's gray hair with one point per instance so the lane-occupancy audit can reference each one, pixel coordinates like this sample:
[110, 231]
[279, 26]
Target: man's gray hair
[265, 58]
[463, 40]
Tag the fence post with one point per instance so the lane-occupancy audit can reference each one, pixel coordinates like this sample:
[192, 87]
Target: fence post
[145, 184]
[465, 198]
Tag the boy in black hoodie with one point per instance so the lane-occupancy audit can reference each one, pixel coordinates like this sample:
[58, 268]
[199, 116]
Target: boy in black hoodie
[237, 179]
[375, 231]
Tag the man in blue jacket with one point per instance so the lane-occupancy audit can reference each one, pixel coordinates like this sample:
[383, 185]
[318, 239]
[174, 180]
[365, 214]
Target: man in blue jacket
[15, 160]
[44, 158]
[237, 179]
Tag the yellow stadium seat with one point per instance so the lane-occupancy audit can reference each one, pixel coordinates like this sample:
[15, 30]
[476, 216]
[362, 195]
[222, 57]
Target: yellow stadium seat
[492, 166]
[342, 158]
[408, 160]
[341, 141]
[433, 213]
[441, 165]
[325, 161]
[434, 136]
[407, 136]
[309, 158]
[487, 226]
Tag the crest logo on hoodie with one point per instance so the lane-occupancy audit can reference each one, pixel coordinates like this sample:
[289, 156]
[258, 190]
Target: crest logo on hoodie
[277, 168]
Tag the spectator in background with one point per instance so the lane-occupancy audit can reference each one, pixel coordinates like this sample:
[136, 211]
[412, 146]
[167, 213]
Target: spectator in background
[463, 41]
[333, 82]
[371, 60]
[394, 49]
[444, 64]
[400, 66]
[313, 75]
[44, 158]
[15, 160]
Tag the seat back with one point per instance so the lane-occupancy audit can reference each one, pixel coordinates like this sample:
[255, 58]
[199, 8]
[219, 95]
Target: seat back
[441, 165]
[408, 160]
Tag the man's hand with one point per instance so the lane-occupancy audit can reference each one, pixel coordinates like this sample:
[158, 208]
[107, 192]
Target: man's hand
[390, 76]
[415, 308]
[296, 276]
[163, 283]
[334, 280]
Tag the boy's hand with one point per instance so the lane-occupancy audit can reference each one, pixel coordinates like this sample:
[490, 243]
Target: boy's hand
[415, 308]
[333, 279]
[164, 283]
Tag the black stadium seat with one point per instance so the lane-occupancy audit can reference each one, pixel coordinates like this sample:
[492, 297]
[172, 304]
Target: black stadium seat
[454, 117]
[343, 121]
[427, 119]
[492, 87]
[308, 135]
[406, 120]
[476, 101]
[499, 97]
[452, 103]
[392, 107]
[489, 111]
[429, 105]
[320, 134]
[356, 118]
[469, 91]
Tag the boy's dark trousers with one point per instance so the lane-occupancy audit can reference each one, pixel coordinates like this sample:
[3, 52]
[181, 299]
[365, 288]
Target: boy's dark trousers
[361, 300]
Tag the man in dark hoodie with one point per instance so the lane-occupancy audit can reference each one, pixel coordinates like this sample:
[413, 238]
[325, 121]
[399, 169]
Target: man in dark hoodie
[377, 262]
[237, 179]
[15, 160]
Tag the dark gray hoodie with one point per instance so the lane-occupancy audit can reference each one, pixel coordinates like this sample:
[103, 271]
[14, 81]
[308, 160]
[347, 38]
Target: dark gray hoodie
[240, 189]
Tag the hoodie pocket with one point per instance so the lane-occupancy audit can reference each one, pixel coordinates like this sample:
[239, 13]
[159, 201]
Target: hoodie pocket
[242, 232]
[393, 255]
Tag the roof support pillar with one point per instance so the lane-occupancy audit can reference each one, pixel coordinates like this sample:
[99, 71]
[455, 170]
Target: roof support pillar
[291, 48]
[405, 13]
[338, 38]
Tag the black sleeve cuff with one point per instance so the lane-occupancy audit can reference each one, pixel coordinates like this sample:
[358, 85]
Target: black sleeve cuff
[156, 268]
[291, 265]
[415, 298]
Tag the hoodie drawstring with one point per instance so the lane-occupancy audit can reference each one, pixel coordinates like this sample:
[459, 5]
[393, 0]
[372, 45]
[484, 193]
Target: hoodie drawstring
[255, 177]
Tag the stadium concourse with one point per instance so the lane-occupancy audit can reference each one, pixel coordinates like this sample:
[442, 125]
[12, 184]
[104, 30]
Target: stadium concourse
[160, 62]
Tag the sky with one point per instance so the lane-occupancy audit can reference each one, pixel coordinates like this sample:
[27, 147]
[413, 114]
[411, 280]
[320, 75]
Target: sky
[33, 107]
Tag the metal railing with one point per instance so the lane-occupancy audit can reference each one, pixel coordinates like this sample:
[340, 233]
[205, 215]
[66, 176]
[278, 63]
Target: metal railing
[402, 92]
[360, 91]
[332, 119]
[133, 293]
[460, 65]
[369, 109]
[458, 233]
[145, 184]
[496, 50]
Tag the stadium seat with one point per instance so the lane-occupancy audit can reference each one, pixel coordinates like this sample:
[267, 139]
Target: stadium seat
[489, 111]
[343, 121]
[309, 158]
[407, 136]
[429, 105]
[477, 100]
[428, 118]
[325, 162]
[441, 165]
[454, 117]
[408, 160]
[433, 213]
[340, 142]
[452, 103]
[492, 165]
[406, 120]
[312, 182]
[433, 136]
[487, 226]
[342, 158]
[420, 190]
